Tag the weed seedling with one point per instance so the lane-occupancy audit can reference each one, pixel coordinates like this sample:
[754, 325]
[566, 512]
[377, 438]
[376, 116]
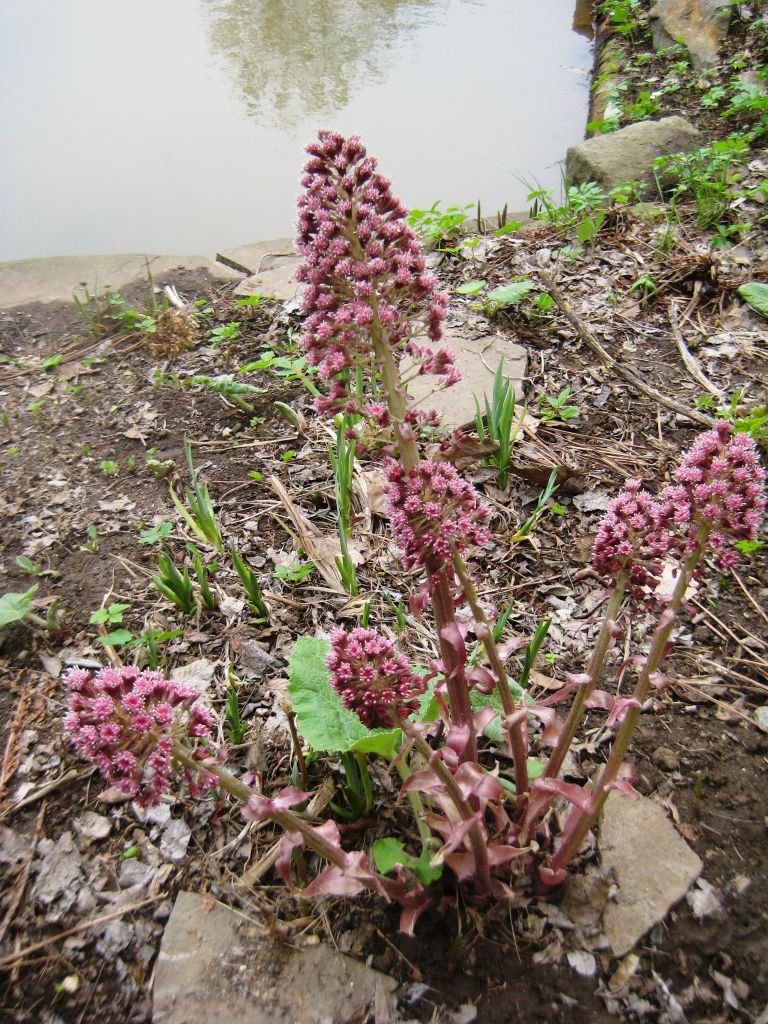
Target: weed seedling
[499, 423]
[558, 408]
[175, 586]
[227, 332]
[294, 573]
[200, 518]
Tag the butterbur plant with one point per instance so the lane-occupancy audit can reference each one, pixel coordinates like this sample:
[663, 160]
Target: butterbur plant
[370, 301]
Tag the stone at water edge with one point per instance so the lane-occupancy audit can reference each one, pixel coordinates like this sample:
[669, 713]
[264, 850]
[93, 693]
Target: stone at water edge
[271, 267]
[215, 965]
[627, 155]
[700, 25]
[653, 865]
[477, 359]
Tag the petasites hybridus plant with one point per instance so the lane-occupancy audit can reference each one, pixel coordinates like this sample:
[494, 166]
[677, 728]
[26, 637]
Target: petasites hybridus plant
[369, 301]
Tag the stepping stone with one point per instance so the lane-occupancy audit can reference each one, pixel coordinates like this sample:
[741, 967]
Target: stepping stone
[653, 865]
[54, 279]
[216, 965]
[271, 267]
[477, 359]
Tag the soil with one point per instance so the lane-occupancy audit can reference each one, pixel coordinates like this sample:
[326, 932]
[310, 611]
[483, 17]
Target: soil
[79, 495]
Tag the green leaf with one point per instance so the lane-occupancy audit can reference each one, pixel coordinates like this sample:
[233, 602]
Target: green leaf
[471, 287]
[119, 638]
[384, 742]
[15, 606]
[320, 718]
[480, 700]
[389, 853]
[28, 565]
[510, 294]
[155, 534]
[755, 295]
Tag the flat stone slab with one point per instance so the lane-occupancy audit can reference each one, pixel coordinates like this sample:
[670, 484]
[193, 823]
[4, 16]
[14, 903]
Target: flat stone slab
[653, 866]
[478, 360]
[628, 154]
[700, 25]
[248, 258]
[55, 278]
[271, 267]
[214, 965]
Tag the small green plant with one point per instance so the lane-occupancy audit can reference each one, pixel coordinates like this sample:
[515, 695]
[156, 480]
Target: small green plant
[471, 288]
[200, 517]
[558, 408]
[109, 616]
[227, 332]
[250, 302]
[109, 467]
[156, 534]
[706, 176]
[542, 506]
[15, 607]
[498, 422]
[250, 586]
[398, 609]
[201, 572]
[294, 573]
[33, 568]
[234, 727]
[343, 465]
[175, 586]
[285, 368]
[437, 225]
[92, 543]
[231, 389]
[646, 286]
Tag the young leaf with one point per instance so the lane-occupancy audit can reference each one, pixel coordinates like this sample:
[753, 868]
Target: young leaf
[510, 294]
[388, 853]
[119, 638]
[755, 295]
[471, 287]
[15, 606]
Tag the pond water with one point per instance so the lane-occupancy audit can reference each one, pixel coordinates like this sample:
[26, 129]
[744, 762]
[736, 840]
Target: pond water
[179, 126]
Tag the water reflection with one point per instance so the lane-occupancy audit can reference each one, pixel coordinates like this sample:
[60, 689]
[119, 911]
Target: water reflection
[293, 59]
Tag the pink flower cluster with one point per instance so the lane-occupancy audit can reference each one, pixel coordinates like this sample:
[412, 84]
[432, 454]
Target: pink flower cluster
[125, 722]
[363, 266]
[431, 508]
[721, 485]
[630, 538]
[370, 678]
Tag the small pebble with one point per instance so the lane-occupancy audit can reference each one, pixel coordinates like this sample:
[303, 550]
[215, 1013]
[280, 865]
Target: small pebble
[665, 759]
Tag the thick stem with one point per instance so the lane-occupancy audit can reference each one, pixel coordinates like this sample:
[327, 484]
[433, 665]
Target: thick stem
[465, 812]
[417, 805]
[594, 669]
[653, 661]
[444, 609]
[485, 634]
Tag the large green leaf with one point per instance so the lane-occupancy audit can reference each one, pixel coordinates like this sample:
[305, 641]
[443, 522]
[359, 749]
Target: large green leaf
[493, 700]
[755, 295]
[15, 606]
[320, 718]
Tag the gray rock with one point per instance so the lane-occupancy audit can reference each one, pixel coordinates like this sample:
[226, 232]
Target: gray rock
[91, 826]
[477, 359]
[60, 872]
[654, 867]
[213, 965]
[271, 267]
[627, 155]
[701, 25]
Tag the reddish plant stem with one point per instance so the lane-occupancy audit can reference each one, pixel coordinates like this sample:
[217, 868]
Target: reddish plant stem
[594, 669]
[653, 661]
[465, 812]
[287, 820]
[485, 635]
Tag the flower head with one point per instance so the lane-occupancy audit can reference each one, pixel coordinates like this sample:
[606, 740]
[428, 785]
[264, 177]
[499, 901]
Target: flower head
[363, 266]
[126, 721]
[432, 508]
[370, 678]
[720, 486]
[631, 539]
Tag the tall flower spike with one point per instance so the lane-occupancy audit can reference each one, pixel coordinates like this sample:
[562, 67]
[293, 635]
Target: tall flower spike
[370, 678]
[432, 508]
[363, 266]
[721, 485]
[125, 722]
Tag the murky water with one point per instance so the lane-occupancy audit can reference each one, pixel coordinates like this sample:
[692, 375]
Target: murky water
[178, 125]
